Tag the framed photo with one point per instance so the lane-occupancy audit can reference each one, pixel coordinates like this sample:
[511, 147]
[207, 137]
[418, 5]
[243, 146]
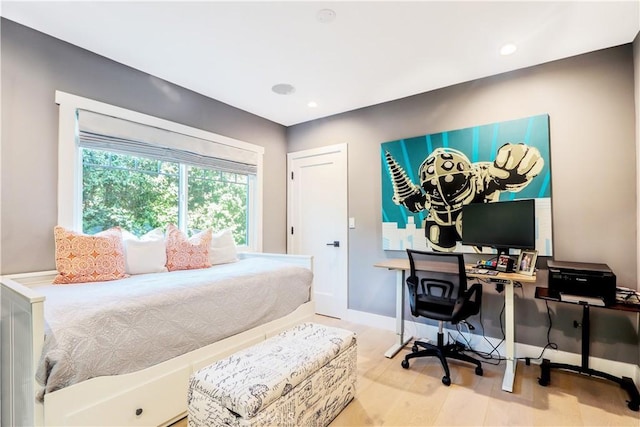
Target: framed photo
[527, 262]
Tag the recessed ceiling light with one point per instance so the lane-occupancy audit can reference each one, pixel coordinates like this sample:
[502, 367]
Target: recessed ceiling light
[312, 104]
[326, 15]
[283, 89]
[507, 49]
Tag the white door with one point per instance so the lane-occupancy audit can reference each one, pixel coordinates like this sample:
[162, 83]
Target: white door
[317, 221]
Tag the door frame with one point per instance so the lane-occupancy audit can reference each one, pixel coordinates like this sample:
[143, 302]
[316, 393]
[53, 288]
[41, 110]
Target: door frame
[342, 150]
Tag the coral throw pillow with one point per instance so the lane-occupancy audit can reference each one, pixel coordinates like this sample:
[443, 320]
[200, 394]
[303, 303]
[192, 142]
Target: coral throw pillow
[187, 254]
[84, 258]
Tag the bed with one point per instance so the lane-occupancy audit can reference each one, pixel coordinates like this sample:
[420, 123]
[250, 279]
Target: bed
[135, 387]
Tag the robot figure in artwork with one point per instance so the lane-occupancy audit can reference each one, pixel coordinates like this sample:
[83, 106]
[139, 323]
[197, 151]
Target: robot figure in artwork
[448, 181]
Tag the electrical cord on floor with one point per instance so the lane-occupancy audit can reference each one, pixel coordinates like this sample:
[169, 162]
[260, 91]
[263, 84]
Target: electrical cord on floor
[487, 357]
[549, 344]
[494, 348]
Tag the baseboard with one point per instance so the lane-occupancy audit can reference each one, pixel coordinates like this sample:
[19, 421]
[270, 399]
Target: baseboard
[479, 343]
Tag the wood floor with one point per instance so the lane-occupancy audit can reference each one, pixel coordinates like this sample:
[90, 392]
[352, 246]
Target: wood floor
[388, 395]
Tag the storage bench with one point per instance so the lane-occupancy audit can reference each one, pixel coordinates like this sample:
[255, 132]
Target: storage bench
[302, 377]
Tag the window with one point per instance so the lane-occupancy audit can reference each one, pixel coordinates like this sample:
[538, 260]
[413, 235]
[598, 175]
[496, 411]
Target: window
[135, 193]
[217, 200]
[140, 194]
[118, 167]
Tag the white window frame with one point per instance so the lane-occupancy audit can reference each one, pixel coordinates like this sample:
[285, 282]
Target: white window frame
[70, 160]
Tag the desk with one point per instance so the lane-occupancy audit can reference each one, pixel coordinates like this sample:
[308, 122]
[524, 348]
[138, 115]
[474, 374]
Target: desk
[545, 368]
[401, 266]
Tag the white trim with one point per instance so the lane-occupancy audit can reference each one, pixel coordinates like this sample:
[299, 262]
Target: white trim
[336, 148]
[69, 168]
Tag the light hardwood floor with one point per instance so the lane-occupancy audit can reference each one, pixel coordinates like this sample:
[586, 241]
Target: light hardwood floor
[388, 395]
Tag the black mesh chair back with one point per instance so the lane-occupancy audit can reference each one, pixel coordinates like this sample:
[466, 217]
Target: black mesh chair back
[438, 286]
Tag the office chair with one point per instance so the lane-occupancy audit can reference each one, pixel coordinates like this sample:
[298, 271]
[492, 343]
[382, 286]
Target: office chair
[438, 290]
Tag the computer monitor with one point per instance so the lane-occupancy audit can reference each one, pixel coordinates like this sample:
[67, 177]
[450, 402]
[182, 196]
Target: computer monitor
[500, 225]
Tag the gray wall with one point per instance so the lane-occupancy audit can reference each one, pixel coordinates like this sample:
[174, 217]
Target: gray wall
[34, 65]
[590, 100]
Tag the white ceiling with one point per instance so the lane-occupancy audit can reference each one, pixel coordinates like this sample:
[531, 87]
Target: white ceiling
[372, 52]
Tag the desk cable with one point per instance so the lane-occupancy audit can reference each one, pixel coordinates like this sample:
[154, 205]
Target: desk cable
[627, 296]
[549, 344]
[490, 355]
[494, 348]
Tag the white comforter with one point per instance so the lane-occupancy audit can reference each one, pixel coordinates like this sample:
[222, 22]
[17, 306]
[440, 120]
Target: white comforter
[117, 327]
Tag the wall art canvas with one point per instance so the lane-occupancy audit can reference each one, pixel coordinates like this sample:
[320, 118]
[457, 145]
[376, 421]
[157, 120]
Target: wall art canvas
[427, 179]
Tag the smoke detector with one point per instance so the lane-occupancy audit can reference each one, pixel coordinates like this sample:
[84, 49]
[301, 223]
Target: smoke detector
[326, 15]
[283, 89]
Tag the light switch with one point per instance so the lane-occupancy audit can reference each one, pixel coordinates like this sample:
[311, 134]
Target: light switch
[352, 223]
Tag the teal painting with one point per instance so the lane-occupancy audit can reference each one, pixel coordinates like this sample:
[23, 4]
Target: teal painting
[427, 179]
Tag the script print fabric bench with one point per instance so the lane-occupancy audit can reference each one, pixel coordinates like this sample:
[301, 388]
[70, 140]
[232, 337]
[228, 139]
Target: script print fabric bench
[302, 377]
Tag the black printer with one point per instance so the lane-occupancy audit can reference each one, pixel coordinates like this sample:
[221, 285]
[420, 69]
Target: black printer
[582, 279]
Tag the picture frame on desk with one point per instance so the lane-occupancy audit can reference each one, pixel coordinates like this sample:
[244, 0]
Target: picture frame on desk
[527, 262]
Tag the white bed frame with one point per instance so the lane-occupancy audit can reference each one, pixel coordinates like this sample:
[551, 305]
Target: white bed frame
[151, 397]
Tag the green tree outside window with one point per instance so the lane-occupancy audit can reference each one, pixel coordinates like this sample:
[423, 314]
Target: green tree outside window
[140, 194]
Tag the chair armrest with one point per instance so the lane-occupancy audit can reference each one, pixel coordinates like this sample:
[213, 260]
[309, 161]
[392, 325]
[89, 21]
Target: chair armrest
[474, 293]
[412, 285]
[472, 297]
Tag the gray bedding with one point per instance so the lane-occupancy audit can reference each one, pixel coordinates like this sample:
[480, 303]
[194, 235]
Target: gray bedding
[122, 326]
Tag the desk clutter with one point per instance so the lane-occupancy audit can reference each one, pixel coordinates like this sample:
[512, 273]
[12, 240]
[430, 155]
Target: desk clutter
[506, 264]
[482, 271]
[627, 296]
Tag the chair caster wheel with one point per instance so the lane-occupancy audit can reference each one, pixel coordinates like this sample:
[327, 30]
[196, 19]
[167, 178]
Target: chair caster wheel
[634, 406]
[446, 381]
[405, 364]
[415, 348]
[479, 371]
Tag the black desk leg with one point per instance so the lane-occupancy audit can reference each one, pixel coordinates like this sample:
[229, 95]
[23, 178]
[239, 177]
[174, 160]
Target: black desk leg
[625, 382]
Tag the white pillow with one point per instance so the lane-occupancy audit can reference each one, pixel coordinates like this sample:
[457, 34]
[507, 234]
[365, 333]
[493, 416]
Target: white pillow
[146, 254]
[155, 234]
[223, 248]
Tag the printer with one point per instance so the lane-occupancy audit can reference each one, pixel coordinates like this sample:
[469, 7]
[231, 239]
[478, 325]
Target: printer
[582, 279]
